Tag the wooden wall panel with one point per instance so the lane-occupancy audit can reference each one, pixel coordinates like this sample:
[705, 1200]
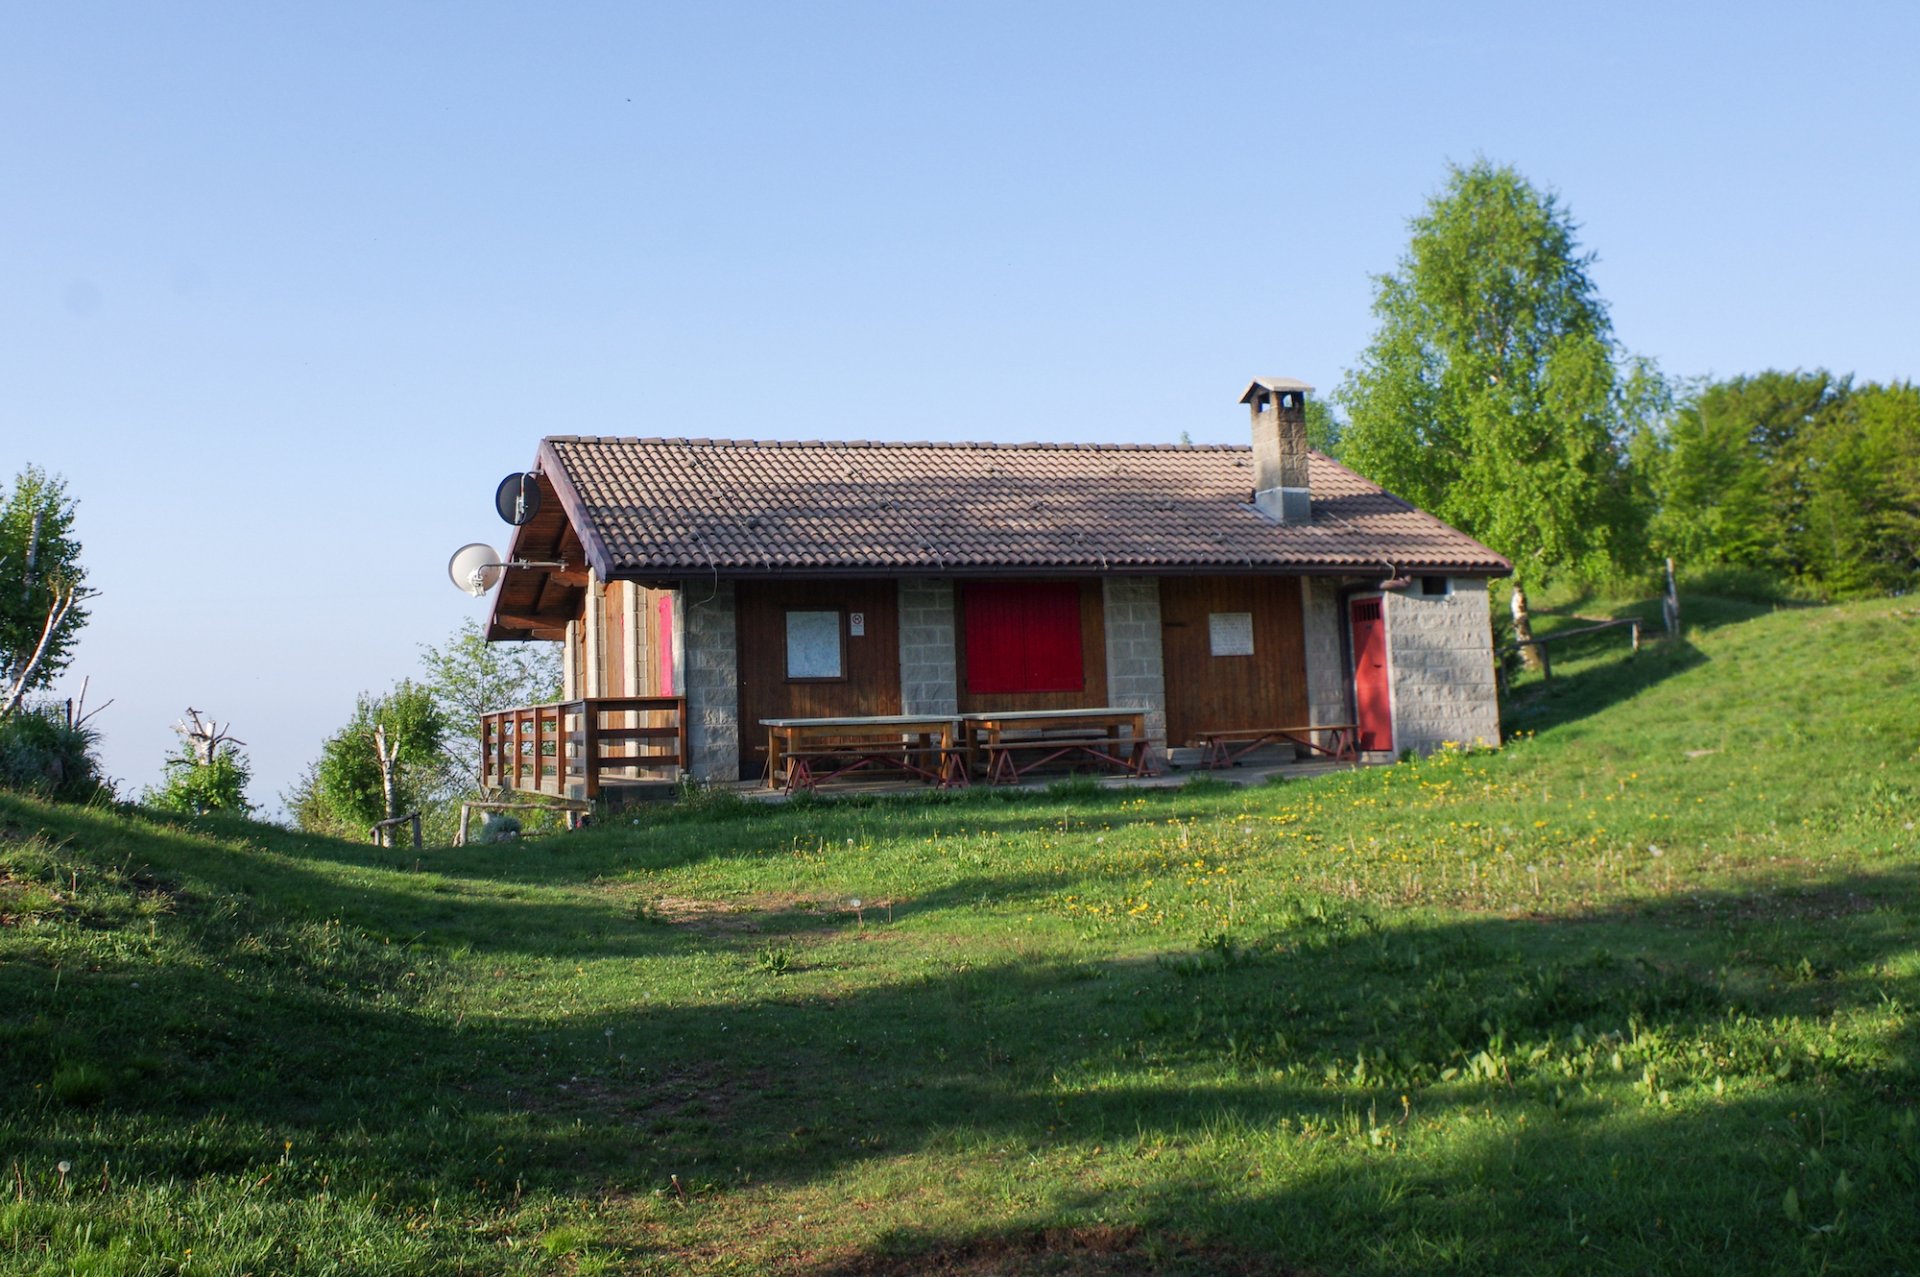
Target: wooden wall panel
[649, 635]
[613, 639]
[1210, 693]
[1093, 642]
[871, 662]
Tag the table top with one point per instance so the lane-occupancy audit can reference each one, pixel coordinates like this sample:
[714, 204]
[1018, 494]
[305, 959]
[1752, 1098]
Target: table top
[880, 720]
[1280, 731]
[1110, 711]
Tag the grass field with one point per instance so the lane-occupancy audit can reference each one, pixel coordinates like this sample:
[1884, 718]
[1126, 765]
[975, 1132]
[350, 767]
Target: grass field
[1636, 994]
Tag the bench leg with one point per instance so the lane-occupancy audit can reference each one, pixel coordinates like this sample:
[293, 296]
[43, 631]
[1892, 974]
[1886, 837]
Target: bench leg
[799, 775]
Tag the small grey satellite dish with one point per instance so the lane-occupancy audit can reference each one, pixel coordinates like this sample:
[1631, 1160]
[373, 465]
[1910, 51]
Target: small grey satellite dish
[476, 568]
[518, 498]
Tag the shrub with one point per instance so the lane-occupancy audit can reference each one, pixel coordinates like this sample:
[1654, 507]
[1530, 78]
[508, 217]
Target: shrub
[195, 788]
[500, 827]
[42, 754]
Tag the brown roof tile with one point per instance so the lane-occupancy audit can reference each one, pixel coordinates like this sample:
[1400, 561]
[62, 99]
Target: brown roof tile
[677, 507]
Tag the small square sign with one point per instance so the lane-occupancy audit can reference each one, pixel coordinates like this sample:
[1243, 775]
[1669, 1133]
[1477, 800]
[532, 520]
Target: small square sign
[1230, 633]
[857, 624]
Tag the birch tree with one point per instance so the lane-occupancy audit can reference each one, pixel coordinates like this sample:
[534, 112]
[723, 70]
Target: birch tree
[42, 585]
[379, 765]
[1493, 392]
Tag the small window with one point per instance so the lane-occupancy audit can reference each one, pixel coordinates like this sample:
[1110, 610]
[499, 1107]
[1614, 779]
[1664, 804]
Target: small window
[1230, 633]
[1436, 587]
[813, 646]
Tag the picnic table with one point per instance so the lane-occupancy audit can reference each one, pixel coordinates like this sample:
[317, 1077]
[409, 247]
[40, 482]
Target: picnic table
[1011, 744]
[1226, 747]
[804, 752]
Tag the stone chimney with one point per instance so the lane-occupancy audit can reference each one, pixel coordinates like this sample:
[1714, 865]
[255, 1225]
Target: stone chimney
[1279, 406]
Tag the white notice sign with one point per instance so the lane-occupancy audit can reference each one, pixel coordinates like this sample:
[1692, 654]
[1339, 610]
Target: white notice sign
[857, 624]
[1231, 633]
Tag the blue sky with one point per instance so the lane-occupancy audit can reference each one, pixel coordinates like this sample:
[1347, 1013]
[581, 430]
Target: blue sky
[285, 290]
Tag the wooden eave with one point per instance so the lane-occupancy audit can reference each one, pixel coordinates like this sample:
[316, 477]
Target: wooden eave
[537, 603]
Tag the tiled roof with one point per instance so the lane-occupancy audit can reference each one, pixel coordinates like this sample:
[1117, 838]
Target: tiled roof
[677, 507]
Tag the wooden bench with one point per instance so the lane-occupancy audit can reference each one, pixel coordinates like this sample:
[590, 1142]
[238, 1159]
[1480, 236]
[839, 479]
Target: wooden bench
[805, 752]
[1226, 747]
[1004, 768]
[1112, 736]
[819, 762]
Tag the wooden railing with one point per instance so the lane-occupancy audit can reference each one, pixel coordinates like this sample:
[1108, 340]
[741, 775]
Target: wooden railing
[1543, 645]
[569, 748]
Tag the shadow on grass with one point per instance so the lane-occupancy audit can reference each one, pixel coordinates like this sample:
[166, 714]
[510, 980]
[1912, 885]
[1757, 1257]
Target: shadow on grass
[1578, 691]
[526, 900]
[1561, 1106]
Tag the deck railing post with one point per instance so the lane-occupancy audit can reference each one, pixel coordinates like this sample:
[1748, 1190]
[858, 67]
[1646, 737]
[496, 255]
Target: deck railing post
[519, 749]
[590, 746]
[539, 749]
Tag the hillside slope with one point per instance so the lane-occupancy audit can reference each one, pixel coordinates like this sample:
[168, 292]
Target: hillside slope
[1635, 993]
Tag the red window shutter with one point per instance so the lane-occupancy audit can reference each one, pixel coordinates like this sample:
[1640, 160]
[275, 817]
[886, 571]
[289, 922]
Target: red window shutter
[1024, 636]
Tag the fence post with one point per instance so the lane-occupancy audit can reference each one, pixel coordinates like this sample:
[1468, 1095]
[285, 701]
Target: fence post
[590, 746]
[1546, 659]
[1670, 606]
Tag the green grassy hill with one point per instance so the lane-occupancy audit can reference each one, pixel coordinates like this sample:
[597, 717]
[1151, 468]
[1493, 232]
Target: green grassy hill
[1635, 994]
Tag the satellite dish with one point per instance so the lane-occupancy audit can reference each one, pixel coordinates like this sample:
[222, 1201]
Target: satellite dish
[476, 568]
[518, 498]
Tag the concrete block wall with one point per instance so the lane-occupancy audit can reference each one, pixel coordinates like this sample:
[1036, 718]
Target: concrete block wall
[711, 664]
[1327, 692]
[929, 669]
[1440, 658]
[1136, 673]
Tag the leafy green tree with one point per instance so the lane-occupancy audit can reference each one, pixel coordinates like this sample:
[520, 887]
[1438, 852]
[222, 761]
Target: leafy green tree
[1324, 427]
[42, 584]
[381, 764]
[1727, 469]
[1493, 392]
[1860, 473]
[469, 676]
[1801, 475]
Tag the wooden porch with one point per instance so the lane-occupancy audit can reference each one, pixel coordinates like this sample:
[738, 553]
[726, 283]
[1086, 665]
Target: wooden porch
[571, 749]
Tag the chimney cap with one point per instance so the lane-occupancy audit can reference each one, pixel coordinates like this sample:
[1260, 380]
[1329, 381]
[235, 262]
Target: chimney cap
[1273, 385]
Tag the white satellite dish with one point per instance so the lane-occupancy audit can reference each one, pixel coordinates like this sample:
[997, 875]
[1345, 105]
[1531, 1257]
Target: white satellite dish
[476, 568]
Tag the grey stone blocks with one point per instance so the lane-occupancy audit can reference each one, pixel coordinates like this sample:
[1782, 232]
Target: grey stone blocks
[1135, 669]
[712, 677]
[929, 676]
[1440, 656]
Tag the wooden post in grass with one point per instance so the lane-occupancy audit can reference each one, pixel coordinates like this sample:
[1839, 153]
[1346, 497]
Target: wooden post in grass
[1670, 605]
[377, 833]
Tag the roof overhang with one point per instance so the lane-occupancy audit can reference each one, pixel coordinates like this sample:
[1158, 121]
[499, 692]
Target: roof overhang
[537, 603]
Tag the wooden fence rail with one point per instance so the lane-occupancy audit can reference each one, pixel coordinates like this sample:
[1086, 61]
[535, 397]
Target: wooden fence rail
[378, 835]
[569, 748]
[1542, 644]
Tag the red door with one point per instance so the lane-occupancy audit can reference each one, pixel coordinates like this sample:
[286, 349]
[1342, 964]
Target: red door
[1373, 709]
